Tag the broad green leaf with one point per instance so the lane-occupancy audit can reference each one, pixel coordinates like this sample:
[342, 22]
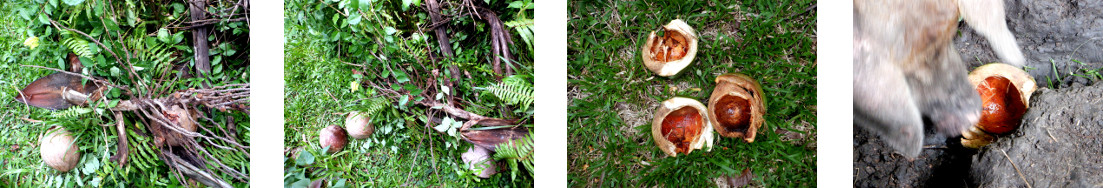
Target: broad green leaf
[406, 4]
[73, 2]
[305, 158]
[163, 35]
[389, 30]
[354, 18]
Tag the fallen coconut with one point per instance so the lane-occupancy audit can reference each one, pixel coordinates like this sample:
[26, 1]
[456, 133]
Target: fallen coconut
[737, 106]
[1005, 94]
[669, 54]
[359, 125]
[333, 137]
[681, 126]
[476, 158]
[58, 149]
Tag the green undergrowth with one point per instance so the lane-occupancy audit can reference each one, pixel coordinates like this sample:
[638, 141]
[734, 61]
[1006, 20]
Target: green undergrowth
[28, 38]
[387, 41]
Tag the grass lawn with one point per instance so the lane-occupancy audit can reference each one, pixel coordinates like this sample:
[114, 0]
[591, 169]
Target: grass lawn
[613, 96]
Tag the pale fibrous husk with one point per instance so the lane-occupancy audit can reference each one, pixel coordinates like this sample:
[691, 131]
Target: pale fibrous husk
[976, 136]
[745, 88]
[179, 116]
[670, 67]
[58, 149]
[702, 139]
[359, 125]
[478, 157]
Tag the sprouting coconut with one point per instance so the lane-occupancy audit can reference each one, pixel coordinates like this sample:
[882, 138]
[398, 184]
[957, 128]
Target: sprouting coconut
[359, 125]
[333, 137]
[58, 149]
[737, 106]
[1005, 94]
[681, 125]
[669, 54]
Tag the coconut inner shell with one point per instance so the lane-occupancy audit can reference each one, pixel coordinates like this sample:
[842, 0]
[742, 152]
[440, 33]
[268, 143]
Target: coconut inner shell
[733, 113]
[681, 126]
[1003, 107]
[669, 47]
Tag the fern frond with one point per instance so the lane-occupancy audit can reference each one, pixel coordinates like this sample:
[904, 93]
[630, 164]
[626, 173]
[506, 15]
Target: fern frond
[513, 90]
[524, 27]
[375, 105]
[517, 151]
[78, 46]
[71, 112]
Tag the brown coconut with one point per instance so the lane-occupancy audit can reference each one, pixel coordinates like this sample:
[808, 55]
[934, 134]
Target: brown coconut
[736, 106]
[669, 54]
[359, 125]
[333, 137]
[58, 149]
[1005, 94]
[681, 126]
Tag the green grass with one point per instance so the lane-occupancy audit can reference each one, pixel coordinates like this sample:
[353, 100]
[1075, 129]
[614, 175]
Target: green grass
[612, 95]
[404, 150]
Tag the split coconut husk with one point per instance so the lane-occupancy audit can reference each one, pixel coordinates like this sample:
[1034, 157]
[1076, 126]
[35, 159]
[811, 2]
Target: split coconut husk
[1005, 95]
[492, 138]
[58, 149]
[669, 54]
[681, 126]
[180, 119]
[737, 106]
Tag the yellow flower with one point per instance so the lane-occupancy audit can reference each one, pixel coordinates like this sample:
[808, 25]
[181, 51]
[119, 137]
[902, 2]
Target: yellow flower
[31, 42]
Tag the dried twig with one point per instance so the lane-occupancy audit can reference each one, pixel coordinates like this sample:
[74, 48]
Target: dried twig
[1016, 169]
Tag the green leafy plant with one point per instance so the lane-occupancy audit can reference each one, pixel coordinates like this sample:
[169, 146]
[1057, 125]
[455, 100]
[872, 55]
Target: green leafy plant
[369, 49]
[518, 151]
[78, 46]
[113, 44]
[513, 90]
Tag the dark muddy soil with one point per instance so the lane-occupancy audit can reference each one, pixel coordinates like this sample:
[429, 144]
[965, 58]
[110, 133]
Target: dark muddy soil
[1050, 33]
[1060, 144]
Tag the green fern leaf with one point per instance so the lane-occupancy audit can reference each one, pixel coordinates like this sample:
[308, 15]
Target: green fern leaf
[523, 26]
[513, 90]
[71, 112]
[517, 151]
[375, 105]
[78, 46]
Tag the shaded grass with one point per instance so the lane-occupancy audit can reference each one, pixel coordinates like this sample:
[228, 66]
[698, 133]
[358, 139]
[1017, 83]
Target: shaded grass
[774, 43]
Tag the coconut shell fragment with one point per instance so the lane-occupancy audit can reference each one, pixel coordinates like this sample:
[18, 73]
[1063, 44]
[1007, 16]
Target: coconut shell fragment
[1005, 94]
[681, 126]
[58, 149]
[668, 54]
[737, 106]
[178, 116]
